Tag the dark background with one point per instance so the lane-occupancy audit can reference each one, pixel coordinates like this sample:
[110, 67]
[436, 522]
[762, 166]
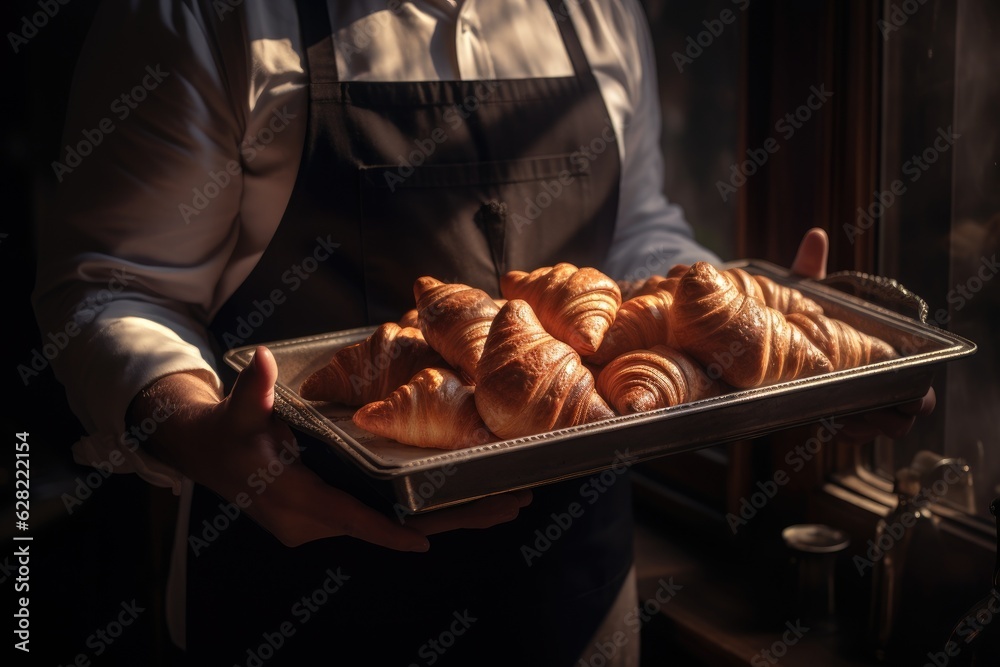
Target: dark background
[84, 565]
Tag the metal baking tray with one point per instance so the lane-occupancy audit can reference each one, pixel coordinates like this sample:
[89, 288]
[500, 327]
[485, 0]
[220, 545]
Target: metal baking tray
[419, 479]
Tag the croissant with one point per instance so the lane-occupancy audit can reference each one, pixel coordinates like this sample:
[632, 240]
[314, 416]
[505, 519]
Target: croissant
[455, 319]
[410, 319]
[659, 377]
[843, 345]
[669, 284]
[780, 297]
[528, 382]
[750, 343]
[641, 323]
[678, 270]
[633, 288]
[368, 371]
[434, 409]
[577, 306]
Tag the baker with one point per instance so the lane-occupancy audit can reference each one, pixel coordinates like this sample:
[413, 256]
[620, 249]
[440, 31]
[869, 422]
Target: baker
[296, 166]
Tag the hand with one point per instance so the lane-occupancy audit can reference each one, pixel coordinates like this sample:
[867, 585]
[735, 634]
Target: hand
[239, 449]
[895, 422]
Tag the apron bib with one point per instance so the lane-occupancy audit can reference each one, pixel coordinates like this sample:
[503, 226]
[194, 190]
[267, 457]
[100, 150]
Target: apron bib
[463, 181]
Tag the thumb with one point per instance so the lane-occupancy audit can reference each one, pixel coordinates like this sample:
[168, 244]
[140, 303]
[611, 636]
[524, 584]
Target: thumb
[810, 260]
[253, 393]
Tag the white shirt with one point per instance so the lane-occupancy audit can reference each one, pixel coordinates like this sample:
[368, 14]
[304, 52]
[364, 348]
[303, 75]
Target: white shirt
[176, 189]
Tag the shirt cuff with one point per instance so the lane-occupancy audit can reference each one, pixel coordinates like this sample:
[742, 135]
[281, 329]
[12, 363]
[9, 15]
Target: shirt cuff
[112, 455]
[143, 351]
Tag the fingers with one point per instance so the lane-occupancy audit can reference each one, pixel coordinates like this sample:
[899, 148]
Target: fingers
[810, 260]
[856, 431]
[897, 421]
[357, 520]
[894, 422]
[302, 508]
[890, 422]
[482, 513]
[253, 392]
[920, 407]
[299, 508]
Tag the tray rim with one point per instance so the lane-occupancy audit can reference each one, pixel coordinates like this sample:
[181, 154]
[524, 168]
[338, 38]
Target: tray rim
[953, 347]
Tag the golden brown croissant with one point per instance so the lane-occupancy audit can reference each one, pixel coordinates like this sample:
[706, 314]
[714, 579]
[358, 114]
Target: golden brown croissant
[641, 323]
[843, 345]
[410, 319]
[780, 297]
[434, 409]
[633, 288]
[749, 343]
[528, 382]
[669, 284]
[370, 370]
[659, 377]
[577, 306]
[455, 319]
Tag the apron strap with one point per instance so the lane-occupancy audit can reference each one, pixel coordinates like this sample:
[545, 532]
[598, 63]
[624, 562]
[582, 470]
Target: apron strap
[317, 39]
[317, 36]
[560, 11]
[233, 64]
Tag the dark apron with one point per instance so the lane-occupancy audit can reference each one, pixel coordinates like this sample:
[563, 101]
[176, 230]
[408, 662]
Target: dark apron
[461, 180]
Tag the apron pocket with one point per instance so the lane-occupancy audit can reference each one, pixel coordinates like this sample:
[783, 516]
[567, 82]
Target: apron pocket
[468, 223]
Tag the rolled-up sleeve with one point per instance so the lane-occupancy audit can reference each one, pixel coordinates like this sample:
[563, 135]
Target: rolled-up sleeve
[145, 214]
